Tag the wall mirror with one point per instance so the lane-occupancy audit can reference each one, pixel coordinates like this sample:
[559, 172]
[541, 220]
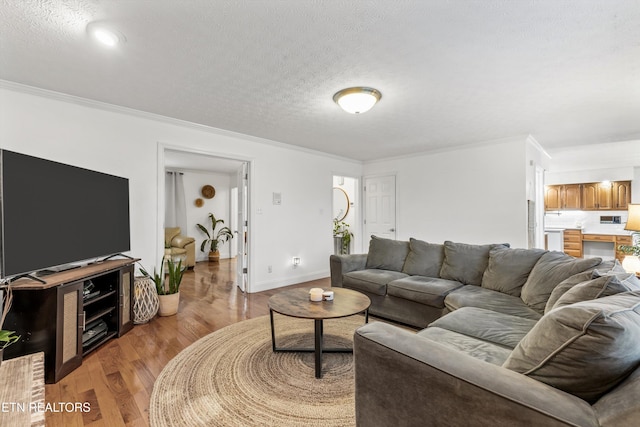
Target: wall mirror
[340, 204]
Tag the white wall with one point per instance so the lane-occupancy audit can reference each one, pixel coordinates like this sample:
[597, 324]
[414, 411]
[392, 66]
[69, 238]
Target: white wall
[129, 143]
[472, 195]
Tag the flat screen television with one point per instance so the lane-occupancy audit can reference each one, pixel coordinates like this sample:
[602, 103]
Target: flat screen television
[53, 214]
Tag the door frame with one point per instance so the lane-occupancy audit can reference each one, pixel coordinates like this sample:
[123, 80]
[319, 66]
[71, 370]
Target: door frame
[357, 229]
[162, 148]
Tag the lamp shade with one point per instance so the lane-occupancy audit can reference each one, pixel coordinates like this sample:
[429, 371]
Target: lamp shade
[356, 100]
[633, 221]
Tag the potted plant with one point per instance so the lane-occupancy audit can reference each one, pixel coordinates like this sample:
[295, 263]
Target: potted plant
[631, 262]
[168, 288]
[6, 337]
[214, 238]
[342, 237]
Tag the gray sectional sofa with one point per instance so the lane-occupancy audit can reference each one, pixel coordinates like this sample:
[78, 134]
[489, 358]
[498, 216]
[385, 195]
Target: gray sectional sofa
[512, 337]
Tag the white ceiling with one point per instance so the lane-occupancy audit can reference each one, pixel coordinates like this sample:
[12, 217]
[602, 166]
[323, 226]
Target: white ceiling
[450, 72]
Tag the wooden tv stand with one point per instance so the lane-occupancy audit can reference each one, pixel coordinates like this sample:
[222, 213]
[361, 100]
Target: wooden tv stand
[52, 317]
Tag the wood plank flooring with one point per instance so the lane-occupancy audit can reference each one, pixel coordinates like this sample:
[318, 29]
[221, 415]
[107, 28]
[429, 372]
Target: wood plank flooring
[117, 379]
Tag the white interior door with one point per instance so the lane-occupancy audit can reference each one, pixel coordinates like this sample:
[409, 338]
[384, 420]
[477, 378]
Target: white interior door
[380, 207]
[242, 227]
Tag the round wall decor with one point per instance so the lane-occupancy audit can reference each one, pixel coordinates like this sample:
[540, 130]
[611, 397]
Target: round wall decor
[199, 202]
[208, 191]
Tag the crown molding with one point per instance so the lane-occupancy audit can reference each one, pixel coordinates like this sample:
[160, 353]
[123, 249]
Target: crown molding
[104, 106]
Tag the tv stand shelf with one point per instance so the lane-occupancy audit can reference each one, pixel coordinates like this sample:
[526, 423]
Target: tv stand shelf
[52, 316]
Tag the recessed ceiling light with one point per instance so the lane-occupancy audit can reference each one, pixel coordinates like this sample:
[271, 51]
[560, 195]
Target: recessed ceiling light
[104, 35]
[356, 100]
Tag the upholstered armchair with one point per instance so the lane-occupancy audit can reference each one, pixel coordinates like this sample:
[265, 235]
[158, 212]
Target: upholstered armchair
[177, 244]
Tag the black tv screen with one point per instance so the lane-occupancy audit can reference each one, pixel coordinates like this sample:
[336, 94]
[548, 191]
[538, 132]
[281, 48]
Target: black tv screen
[55, 214]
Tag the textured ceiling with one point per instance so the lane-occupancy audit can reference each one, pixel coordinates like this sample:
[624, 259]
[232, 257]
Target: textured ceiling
[450, 72]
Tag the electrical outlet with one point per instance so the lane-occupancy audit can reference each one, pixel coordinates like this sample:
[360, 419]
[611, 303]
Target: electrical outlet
[269, 269]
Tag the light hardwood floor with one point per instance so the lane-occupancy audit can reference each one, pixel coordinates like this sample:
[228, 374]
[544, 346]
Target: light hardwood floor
[117, 379]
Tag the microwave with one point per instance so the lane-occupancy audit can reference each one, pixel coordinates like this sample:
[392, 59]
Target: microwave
[609, 219]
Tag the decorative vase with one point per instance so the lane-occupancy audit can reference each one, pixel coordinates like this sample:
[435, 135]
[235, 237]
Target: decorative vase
[168, 304]
[145, 300]
[214, 256]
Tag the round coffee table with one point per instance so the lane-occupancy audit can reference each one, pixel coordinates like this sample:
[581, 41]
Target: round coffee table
[296, 303]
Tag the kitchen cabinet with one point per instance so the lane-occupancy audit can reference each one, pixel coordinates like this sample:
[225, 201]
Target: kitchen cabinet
[559, 197]
[591, 196]
[597, 196]
[621, 194]
[573, 242]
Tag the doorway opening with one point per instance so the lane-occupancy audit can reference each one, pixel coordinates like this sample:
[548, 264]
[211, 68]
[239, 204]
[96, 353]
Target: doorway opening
[345, 214]
[216, 185]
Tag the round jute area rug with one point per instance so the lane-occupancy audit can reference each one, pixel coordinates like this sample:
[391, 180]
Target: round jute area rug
[233, 378]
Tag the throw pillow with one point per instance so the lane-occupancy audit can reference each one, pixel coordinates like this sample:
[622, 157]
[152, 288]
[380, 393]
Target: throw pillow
[387, 254]
[599, 287]
[465, 263]
[552, 268]
[424, 259]
[584, 349]
[570, 282]
[508, 269]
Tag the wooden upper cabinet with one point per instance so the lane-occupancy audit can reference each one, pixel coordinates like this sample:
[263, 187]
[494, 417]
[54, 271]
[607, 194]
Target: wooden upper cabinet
[552, 197]
[597, 196]
[621, 191]
[572, 196]
[593, 196]
[557, 197]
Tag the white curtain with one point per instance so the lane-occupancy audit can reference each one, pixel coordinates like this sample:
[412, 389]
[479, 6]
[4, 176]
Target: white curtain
[175, 202]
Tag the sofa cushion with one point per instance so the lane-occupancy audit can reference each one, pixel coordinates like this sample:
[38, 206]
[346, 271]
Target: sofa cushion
[475, 296]
[465, 263]
[552, 268]
[600, 287]
[370, 280]
[498, 328]
[508, 269]
[425, 290]
[571, 281]
[386, 254]
[584, 349]
[424, 259]
[479, 349]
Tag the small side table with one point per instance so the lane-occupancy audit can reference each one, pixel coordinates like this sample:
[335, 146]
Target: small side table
[145, 300]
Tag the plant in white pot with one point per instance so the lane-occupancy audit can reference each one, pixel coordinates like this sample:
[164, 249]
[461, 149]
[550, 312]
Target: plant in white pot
[168, 287]
[214, 238]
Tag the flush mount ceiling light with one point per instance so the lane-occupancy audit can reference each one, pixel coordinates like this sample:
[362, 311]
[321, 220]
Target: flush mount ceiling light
[356, 100]
[104, 35]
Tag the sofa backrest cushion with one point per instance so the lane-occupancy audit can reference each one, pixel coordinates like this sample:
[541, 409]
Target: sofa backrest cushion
[424, 259]
[508, 269]
[386, 254]
[551, 269]
[571, 281]
[465, 263]
[584, 349]
[599, 287]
